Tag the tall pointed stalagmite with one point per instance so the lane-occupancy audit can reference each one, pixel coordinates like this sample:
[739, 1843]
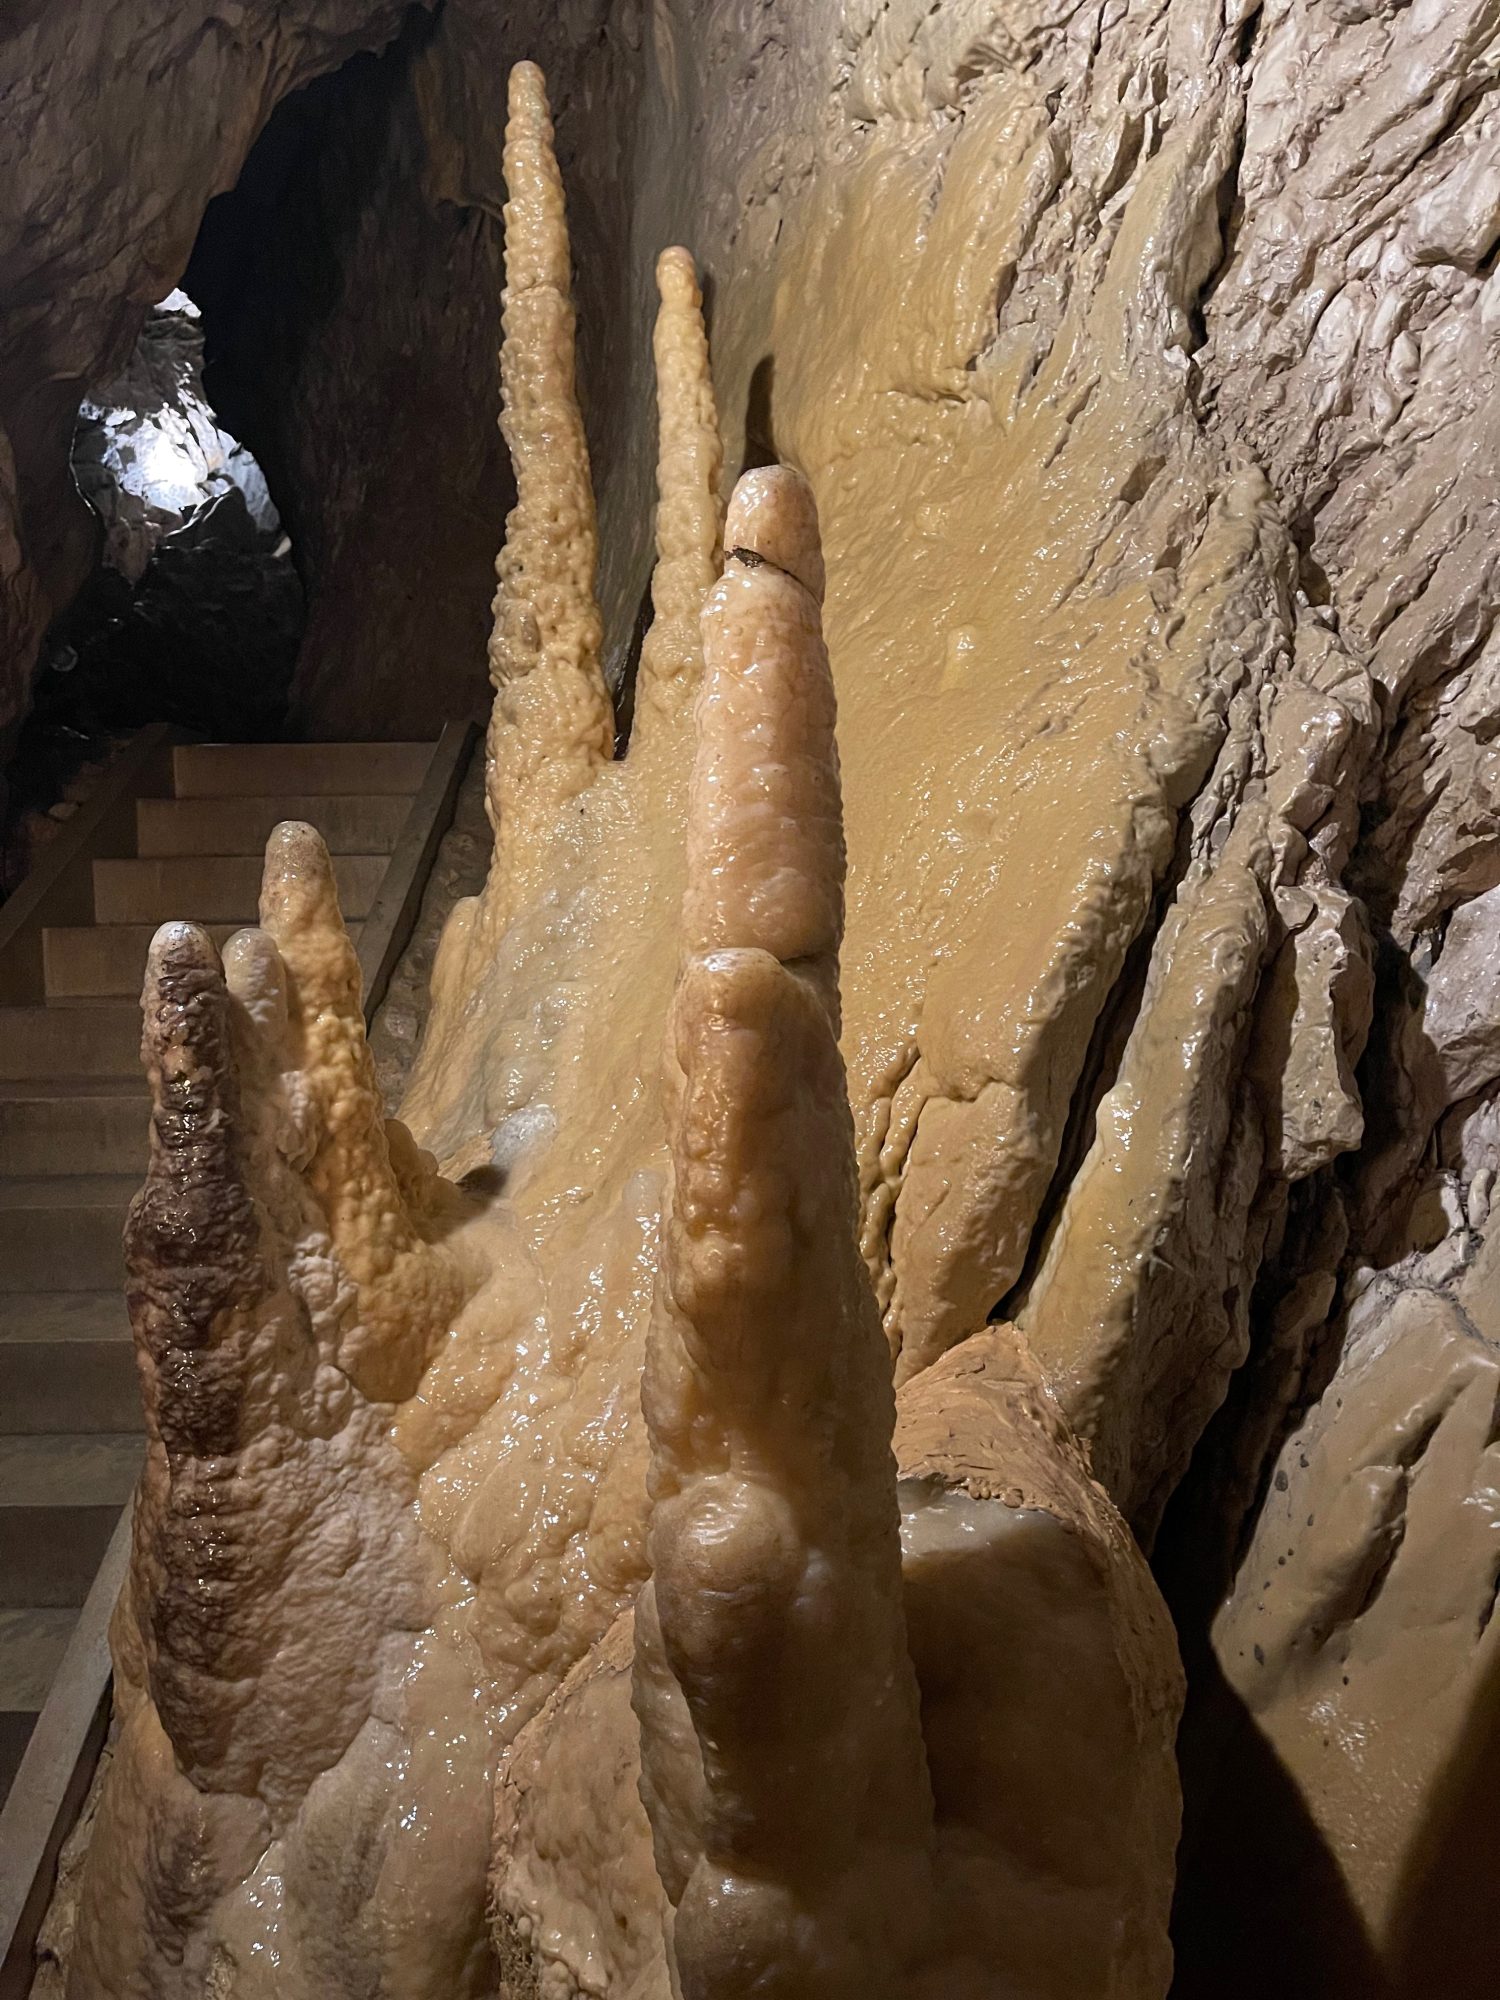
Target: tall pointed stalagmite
[791, 1817]
[553, 724]
[689, 461]
[407, 1287]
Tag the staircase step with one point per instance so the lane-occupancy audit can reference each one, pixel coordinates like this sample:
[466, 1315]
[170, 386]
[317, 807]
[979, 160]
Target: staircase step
[59, 1500]
[361, 823]
[263, 770]
[212, 888]
[67, 1363]
[105, 961]
[99, 1040]
[61, 1125]
[32, 1643]
[61, 1233]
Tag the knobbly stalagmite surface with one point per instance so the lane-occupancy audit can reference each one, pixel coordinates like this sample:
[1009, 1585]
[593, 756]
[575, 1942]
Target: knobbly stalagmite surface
[1140, 363]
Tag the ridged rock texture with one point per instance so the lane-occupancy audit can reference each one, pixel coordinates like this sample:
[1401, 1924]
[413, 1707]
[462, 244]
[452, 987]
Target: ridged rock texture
[1137, 367]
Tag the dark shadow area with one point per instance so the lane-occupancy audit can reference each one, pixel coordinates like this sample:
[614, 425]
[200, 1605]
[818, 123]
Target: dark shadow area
[624, 694]
[1261, 1908]
[1445, 1932]
[352, 320]
[1261, 1905]
[760, 432]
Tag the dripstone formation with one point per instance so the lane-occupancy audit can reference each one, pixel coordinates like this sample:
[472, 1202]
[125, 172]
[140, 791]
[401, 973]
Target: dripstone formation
[990, 1087]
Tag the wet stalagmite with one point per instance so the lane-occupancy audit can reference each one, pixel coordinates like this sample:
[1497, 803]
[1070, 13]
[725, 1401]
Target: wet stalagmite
[978, 1078]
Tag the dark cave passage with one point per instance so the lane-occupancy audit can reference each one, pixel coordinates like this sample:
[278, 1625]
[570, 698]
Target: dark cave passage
[193, 612]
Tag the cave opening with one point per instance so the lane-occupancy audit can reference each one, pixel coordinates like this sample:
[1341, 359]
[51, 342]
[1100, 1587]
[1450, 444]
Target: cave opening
[193, 610]
[295, 482]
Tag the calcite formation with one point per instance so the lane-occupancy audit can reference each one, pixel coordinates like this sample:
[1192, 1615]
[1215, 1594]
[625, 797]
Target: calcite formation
[667, 1516]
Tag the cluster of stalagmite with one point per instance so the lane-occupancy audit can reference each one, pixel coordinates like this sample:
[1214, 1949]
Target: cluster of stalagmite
[666, 1517]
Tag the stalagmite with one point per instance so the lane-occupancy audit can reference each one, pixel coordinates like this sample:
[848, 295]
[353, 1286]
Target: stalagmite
[553, 724]
[407, 1288]
[282, 1287]
[809, 1830]
[793, 1825]
[690, 461]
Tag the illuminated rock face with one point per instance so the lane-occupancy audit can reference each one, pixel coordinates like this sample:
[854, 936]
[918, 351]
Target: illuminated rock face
[1153, 503]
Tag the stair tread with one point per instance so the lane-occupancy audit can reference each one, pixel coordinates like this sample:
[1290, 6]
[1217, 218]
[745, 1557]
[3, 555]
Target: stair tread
[67, 1190]
[247, 770]
[42, 1318]
[111, 1012]
[24, 1089]
[350, 822]
[32, 1643]
[86, 963]
[59, 1469]
[219, 888]
[181, 861]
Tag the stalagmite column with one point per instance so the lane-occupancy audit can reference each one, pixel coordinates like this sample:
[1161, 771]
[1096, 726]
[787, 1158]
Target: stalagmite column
[792, 1819]
[283, 1292]
[939, 1780]
[407, 1287]
[553, 724]
[689, 462]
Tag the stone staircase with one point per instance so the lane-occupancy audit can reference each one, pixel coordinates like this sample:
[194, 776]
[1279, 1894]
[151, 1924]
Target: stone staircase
[73, 1148]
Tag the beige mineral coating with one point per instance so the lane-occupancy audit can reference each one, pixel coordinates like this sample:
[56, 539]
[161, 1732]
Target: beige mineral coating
[792, 1826]
[1030, 693]
[1036, 674]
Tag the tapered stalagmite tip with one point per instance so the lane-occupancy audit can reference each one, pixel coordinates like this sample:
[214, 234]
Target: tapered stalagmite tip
[178, 948]
[298, 874]
[677, 277]
[294, 847]
[252, 964]
[773, 516]
[527, 89]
